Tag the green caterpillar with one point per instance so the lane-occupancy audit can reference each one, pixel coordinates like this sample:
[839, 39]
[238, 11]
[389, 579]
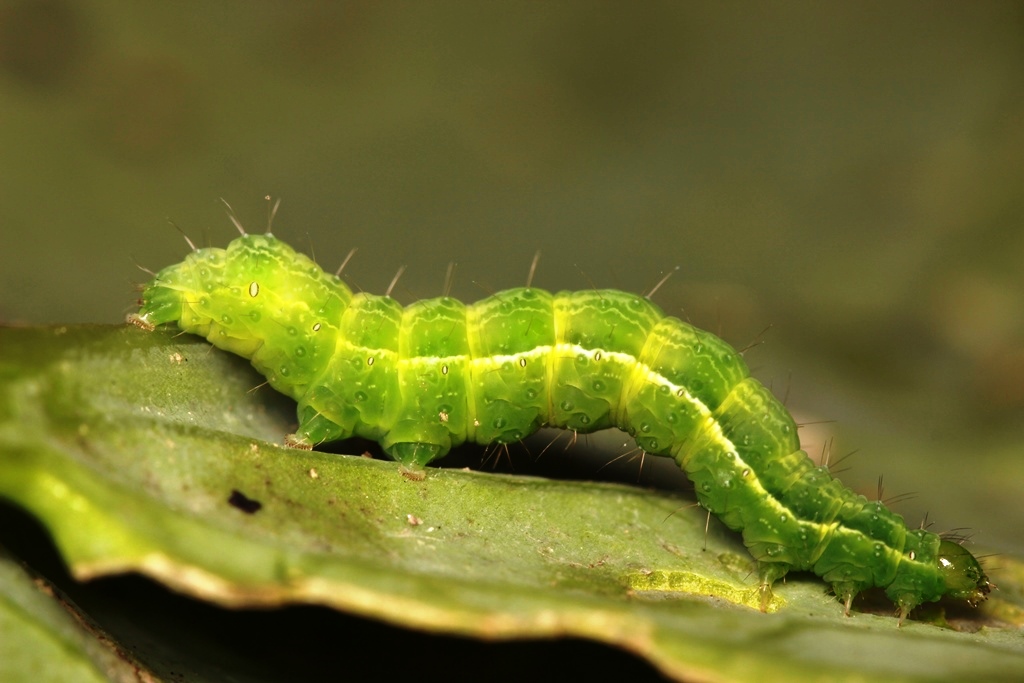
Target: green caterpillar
[438, 373]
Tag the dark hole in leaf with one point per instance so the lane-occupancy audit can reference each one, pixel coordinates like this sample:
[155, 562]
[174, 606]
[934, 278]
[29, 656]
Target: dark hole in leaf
[243, 502]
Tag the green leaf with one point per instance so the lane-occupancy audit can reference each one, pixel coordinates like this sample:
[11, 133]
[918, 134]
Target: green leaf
[44, 638]
[152, 453]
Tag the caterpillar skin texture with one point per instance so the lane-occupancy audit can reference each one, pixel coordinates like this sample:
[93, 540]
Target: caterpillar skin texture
[430, 376]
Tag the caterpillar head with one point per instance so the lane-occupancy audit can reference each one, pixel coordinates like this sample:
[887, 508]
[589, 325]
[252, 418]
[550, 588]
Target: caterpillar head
[962, 573]
[180, 292]
[257, 298]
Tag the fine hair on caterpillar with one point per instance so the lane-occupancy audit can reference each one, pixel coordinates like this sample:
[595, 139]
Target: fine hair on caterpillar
[424, 378]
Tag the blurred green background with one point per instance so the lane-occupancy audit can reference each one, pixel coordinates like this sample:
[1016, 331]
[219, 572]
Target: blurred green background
[848, 174]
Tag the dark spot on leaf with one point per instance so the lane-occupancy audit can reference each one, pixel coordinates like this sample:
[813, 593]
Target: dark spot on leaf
[243, 502]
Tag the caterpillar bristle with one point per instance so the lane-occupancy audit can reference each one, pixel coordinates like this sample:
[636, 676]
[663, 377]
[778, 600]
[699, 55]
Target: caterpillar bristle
[394, 281]
[234, 220]
[351, 253]
[533, 269]
[188, 240]
[449, 279]
[651, 292]
[272, 212]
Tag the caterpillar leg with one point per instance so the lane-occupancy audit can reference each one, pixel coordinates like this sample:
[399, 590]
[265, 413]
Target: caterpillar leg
[414, 444]
[847, 591]
[769, 573]
[297, 441]
[906, 602]
[314, 428]
[415, 455]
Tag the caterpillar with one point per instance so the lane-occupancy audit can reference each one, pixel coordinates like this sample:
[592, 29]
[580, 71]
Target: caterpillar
[424, 378]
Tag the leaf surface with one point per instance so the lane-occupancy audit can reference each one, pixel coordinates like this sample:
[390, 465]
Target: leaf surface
[152, 453]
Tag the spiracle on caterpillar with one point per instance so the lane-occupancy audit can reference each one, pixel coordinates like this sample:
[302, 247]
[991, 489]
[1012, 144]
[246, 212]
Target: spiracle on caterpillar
[427, 377]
